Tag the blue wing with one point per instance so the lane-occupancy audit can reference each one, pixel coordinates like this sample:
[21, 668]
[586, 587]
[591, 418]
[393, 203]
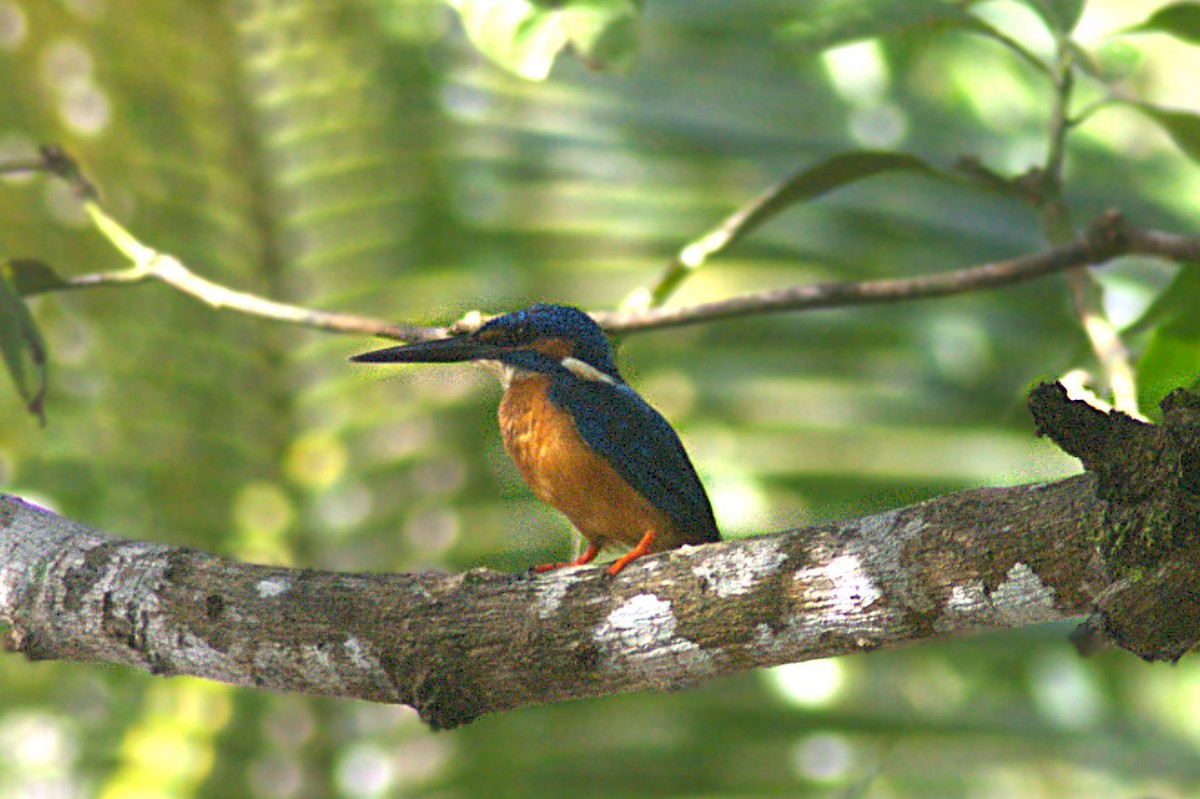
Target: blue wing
[643, 447]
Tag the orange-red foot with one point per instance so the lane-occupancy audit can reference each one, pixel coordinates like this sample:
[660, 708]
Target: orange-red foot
[588, 556]
[642, 548]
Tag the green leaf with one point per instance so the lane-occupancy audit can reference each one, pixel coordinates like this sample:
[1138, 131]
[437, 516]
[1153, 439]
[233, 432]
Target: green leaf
[525, 37]
[520, 36]
[833, 173]
[1061, 16]
[29, 277]
[604, 32]
[22, 348]
[1182, 126]
[1181, 20]
[838, 22]
[835, 22]
[1114, 61]
[1171, 357]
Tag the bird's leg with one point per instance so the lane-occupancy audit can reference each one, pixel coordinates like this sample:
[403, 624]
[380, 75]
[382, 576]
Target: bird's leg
[588, 556]
[642, 548]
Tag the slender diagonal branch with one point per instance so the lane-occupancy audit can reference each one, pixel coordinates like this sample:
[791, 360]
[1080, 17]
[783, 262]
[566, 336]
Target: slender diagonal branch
[1112, 355]
[149, 264]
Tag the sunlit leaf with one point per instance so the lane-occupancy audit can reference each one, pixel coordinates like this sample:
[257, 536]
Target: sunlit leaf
[22, 348]
[525, 37]
[520, 36]
[1181, 20]
[28, 277]
[1182, 126]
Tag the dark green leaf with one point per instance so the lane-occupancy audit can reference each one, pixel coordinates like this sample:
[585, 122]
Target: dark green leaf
[1113, 61]
[1171, 357]
[837, 22]
[1181, 20]
[1060, 16]
[1171, 360]
[1182, 126]
[838, 171]
[525, 37]
[29, 277]
[604, 32]
[22, 348]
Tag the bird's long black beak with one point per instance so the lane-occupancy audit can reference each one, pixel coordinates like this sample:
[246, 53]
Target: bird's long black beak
[442, 350]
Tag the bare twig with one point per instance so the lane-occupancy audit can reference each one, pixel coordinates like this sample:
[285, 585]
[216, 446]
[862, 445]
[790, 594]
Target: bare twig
[53, 160]
[1087, 297]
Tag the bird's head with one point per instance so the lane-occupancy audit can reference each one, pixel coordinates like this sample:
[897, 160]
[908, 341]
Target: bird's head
[540, 338]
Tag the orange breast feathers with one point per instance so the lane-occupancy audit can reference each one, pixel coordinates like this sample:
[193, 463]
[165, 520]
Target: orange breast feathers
[565, 472]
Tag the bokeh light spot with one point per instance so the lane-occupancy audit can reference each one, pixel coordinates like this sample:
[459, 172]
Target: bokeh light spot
[810, 684]
[63, 206]
[13, 26]
[433, 530]
[737, 499]
[883, 125]
[365, 771]
[316, 459]
[263, 512]
[823, 757]
[85, 110]
[1065, 690]
[857, 71]
[345, 508]
[66, 65]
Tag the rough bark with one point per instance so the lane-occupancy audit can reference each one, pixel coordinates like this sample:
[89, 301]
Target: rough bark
[458, 646]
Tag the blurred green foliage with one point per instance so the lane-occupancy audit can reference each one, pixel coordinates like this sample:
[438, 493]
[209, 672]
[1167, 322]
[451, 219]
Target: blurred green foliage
[364, 156]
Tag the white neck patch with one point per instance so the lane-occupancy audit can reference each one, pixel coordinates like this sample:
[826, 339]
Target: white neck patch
[586, 371]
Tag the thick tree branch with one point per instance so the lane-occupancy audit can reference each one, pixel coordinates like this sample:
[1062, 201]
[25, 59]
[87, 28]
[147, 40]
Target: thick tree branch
[1121, 541]
[458, 646]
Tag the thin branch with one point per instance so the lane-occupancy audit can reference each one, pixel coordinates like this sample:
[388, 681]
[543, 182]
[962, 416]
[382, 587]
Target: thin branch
[149, 264]
[1109, 238]
[1111, 353]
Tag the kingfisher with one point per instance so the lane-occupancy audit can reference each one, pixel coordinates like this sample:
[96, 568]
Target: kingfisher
[583, 440]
